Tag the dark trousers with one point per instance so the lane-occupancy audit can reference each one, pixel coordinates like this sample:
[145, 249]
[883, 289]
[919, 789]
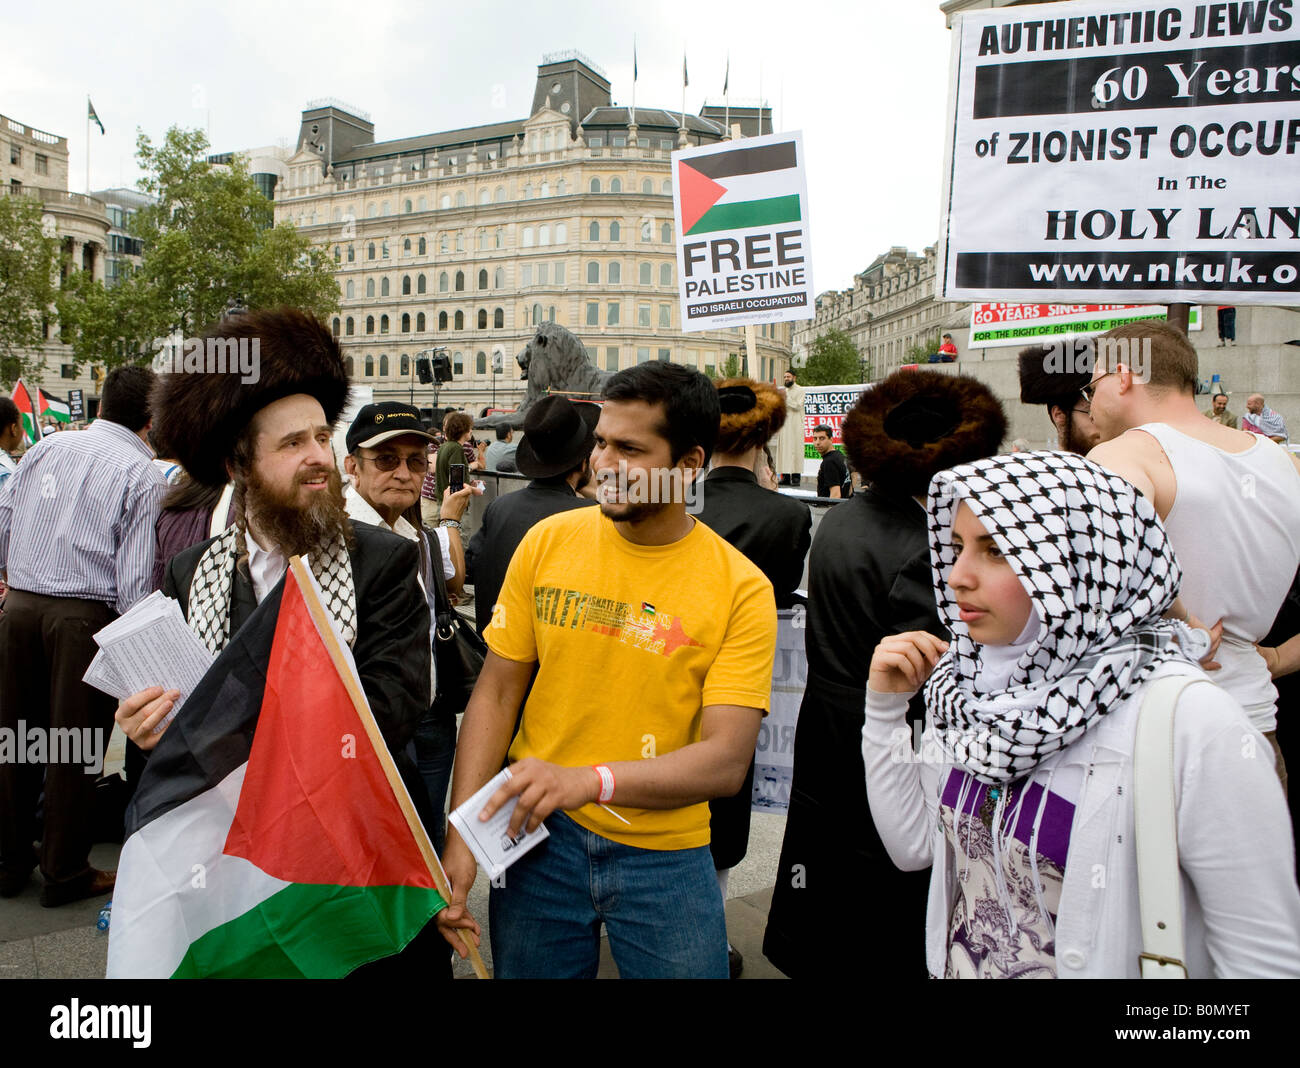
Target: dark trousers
[45, 648]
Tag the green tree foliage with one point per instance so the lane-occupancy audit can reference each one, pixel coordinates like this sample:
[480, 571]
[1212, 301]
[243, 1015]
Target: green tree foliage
[28, 262]
[208, 243]
[833, 360]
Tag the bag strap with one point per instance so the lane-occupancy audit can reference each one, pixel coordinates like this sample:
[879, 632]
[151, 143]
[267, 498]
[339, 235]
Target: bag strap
[445, 614]
[1155, 825]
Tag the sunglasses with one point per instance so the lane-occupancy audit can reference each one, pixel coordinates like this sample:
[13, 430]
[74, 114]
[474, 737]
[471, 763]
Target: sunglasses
[1090, 390]
[416, 463]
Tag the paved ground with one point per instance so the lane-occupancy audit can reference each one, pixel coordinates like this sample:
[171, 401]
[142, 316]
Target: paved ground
[63, 943]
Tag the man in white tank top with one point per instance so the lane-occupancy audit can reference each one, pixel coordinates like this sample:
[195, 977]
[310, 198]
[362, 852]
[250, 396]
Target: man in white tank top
[1230, 500]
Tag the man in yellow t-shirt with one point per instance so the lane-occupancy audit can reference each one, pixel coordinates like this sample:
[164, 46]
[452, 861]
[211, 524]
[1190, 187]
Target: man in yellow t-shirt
[653, 642]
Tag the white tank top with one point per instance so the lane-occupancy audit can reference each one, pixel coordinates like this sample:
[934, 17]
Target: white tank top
[1235, 527]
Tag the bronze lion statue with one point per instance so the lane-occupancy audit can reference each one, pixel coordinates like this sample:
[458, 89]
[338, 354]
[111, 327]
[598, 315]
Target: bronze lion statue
[553, 361]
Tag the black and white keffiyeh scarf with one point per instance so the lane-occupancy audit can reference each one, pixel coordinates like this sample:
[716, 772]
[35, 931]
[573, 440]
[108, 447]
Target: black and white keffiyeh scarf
[213, 582]
[1098, 567]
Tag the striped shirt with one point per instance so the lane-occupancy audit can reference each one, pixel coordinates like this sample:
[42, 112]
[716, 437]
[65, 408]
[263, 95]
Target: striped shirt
[77, 517]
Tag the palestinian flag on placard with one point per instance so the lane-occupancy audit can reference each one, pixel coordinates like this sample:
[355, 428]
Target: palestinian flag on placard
[27, 409]
[270, 835]
[739, 188]
[52, 408]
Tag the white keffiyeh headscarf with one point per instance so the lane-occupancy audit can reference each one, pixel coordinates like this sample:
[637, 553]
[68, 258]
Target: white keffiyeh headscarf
[1097, 564]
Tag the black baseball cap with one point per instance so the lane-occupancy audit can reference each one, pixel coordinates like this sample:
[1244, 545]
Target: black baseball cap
[376, 423]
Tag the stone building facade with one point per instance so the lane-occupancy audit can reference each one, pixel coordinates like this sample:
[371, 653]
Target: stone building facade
[465, 240]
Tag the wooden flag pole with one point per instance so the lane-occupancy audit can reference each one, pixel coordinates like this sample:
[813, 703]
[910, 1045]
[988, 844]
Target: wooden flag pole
[307, 585]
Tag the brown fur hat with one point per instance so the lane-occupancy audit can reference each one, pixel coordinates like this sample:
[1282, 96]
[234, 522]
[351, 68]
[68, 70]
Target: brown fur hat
[913, 424]
[1038, 385]
[748, 419]
[200, 413]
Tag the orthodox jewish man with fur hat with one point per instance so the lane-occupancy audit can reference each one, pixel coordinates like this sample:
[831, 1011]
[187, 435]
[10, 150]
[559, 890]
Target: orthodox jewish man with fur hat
[869, 576]
[272, 437]
[774, 532]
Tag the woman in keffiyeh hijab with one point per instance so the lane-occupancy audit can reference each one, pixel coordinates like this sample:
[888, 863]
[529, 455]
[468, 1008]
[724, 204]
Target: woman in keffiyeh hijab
[1052, 575]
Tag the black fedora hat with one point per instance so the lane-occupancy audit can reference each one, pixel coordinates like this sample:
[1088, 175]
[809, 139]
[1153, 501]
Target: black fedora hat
[558, 435]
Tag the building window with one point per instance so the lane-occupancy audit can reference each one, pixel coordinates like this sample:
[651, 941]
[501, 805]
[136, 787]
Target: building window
[405, 366]
[383, 324]
[350, 326]
[525, 275]
[460, 281]
[421, 247]
[595, 144]
[593, 273]
[485, 196]
[647, 231]
[406, 322]
[544, 235]
[593, 314]
[443, 282]
[561, 233]
[352, 254]
[665, 355]
[666, 233]
[442, 321]
[667, 189]
[422, 204]
[611, 358]
[643, 274]
[647, 186]
[499, 278]
[460, 241]
[15, 155]
[665, 274]
[480, 363]
[643, 315]
[384, 249]
[334, 326]
[444, 201]
[642, 355]
[406, 247]
[500, 238]
[593, 231]
[338, 254]
[370, 367]
[351, 290]
[615, 232]
[559, 272]
[419, 322]
[499, 319]
[500, 196]
[370, 251]
[595, 185]
[616, 185]
[407, 206]
[442, 243]
[460, 199]
[383, 366]
[560, 188]
[543, 274]
[421, 285]
[483, 278]
[370, 287]
[611, 313]
[351, 368]
[406, 285]
[459, 321]
[537, 315]
[527, 241]
[614, 273]
[383, 287]
[482, 318]
[665, 316]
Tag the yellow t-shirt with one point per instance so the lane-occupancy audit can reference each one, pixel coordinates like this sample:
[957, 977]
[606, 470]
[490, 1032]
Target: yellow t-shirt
[632, 642]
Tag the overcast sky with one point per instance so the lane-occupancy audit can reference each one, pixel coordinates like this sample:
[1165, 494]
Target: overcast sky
[865, 80]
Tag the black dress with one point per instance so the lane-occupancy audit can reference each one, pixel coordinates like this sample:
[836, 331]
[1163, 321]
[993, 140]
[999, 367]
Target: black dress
[774, 533]
[840, 907]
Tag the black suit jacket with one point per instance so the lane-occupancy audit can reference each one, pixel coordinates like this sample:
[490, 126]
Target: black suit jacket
[505, 523]
[774, 532]
[392, 648]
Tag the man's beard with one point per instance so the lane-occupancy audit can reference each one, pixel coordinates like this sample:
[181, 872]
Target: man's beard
[291, 528]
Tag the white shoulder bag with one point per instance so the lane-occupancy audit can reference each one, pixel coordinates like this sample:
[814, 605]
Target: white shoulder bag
[1155, 821]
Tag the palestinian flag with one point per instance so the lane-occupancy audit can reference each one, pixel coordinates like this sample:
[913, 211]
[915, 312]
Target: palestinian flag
[271, 835]
[53, 408]
[739, 188]
[27, 409]
[91, 116]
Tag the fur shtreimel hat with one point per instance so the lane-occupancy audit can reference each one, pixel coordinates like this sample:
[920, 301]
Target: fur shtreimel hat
[751, 413]
[913, 424]
[200, 411]
[1047, 377]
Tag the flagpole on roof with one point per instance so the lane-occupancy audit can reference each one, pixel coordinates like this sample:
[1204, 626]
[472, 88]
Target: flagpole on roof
[685, 82]
[88, 144]
[633, 115]
[726, 98]
[307, 588]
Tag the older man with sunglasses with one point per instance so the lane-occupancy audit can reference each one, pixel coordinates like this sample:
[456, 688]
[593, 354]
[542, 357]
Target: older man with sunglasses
[386, 463]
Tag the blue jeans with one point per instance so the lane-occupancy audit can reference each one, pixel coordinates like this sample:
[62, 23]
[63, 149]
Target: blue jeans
[435, 752]
[662, 909]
